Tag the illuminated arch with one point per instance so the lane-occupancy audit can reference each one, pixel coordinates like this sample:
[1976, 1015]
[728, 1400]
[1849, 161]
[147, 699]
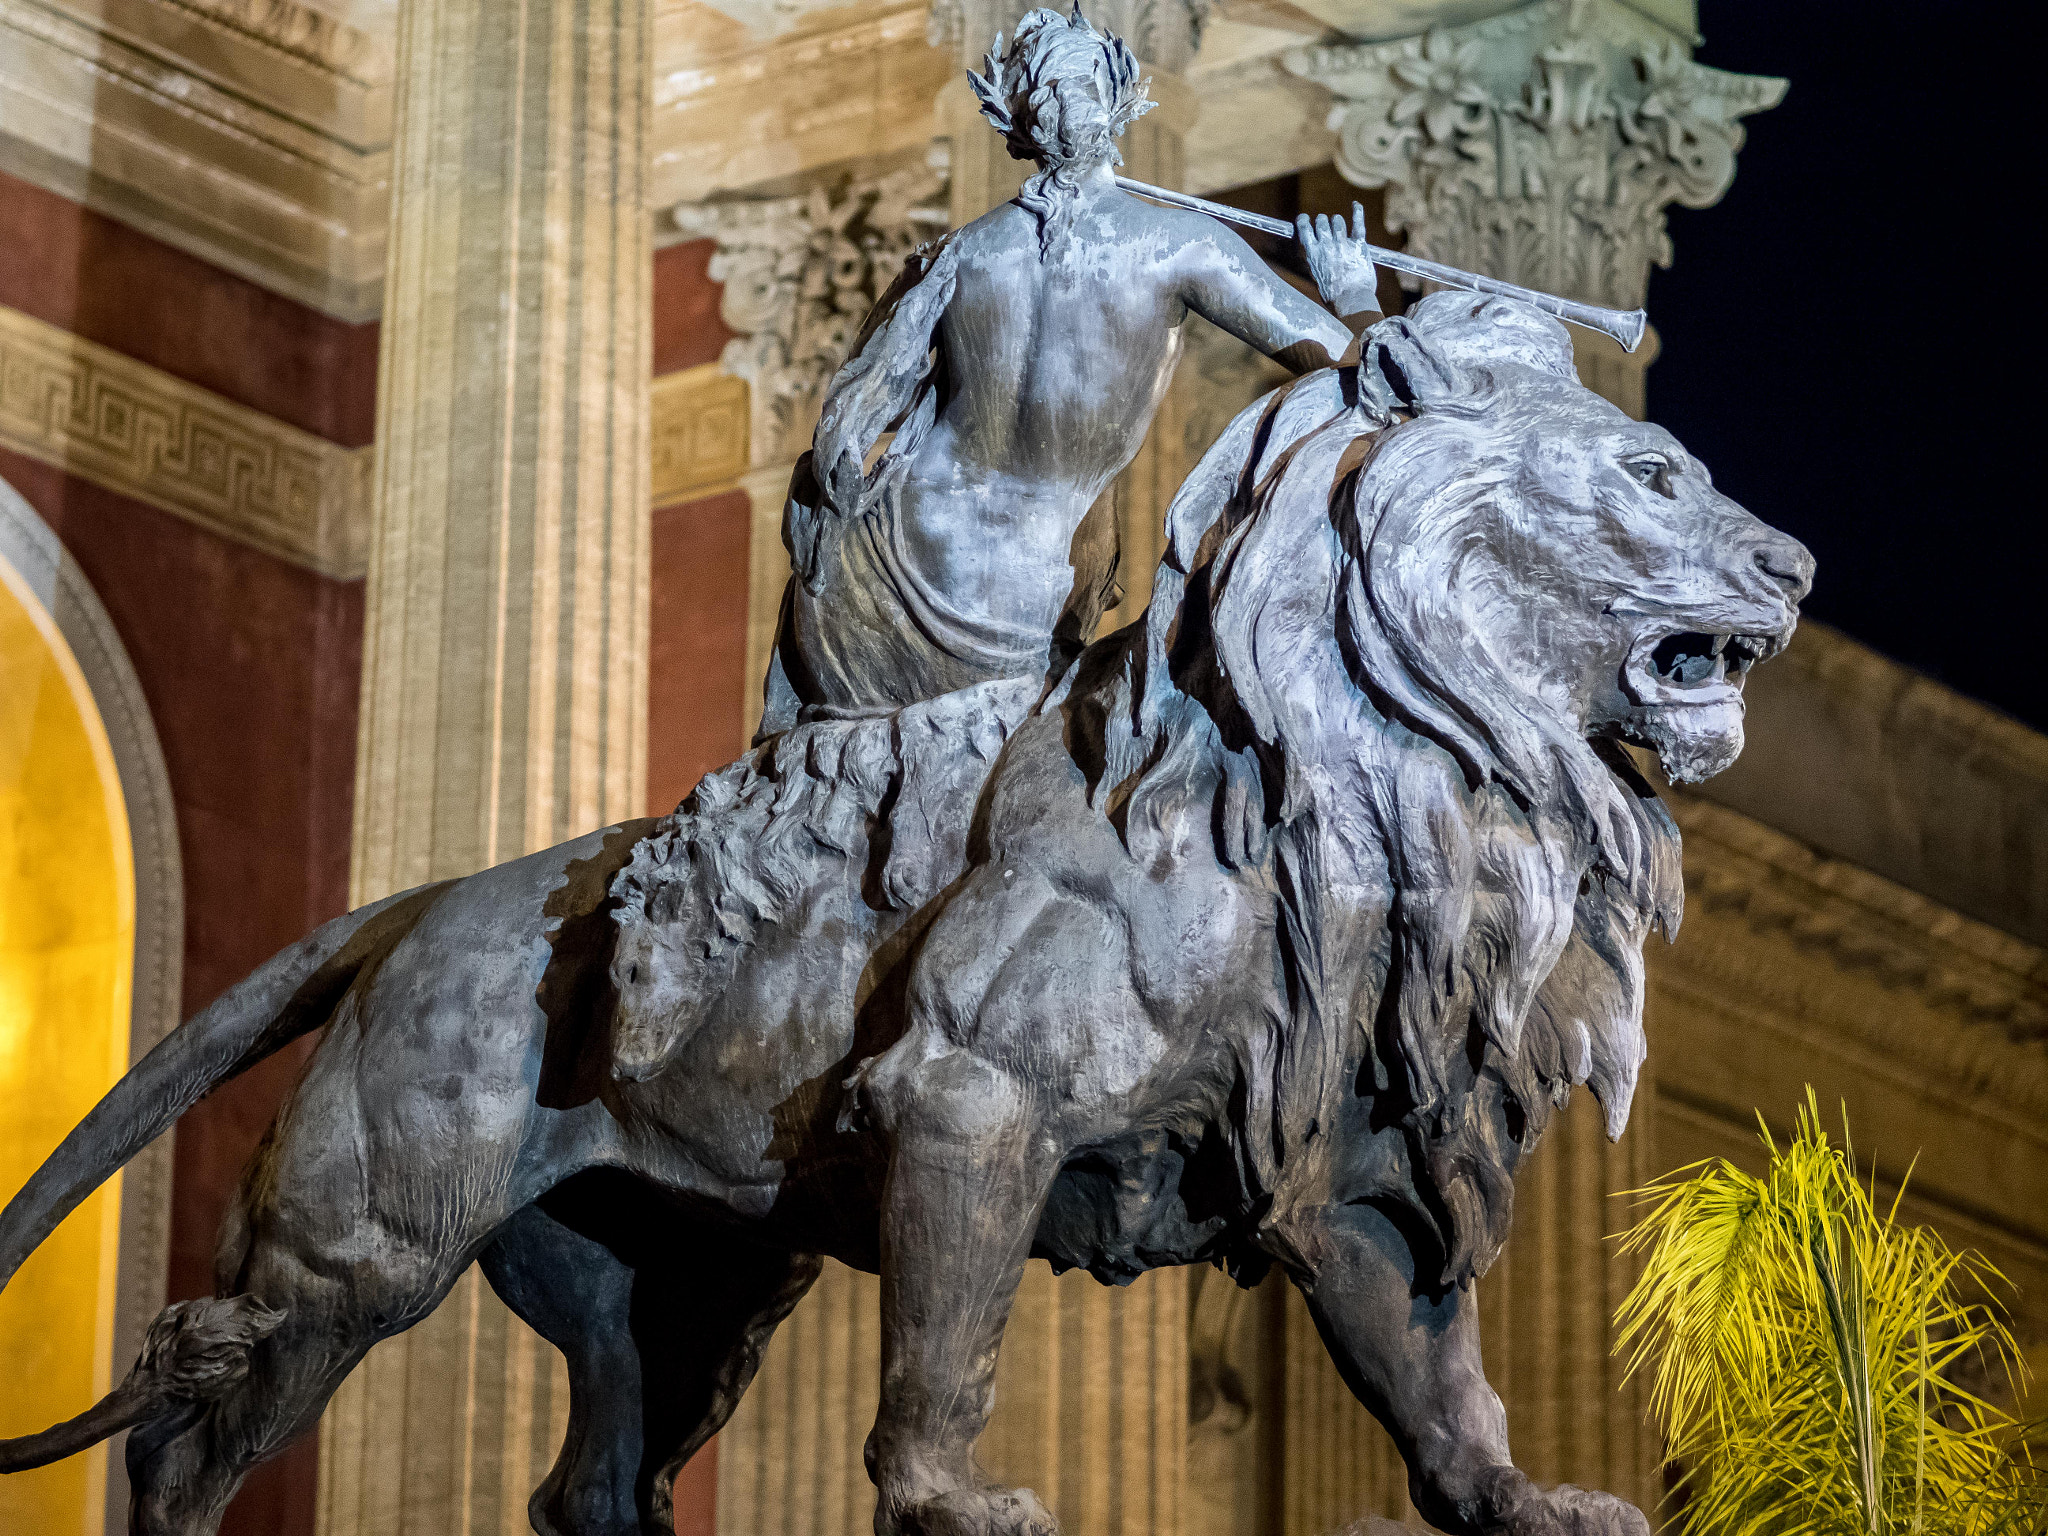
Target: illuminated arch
[100, 776]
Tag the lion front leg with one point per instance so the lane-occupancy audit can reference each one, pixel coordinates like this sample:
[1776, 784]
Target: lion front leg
[1415, 1362]
[968, 1174]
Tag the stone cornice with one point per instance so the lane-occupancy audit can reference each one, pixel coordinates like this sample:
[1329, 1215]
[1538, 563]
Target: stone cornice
[137, 430]
[259, 155]
[768, 112]
[1872, 763]
[310, 36]
[1984, 992]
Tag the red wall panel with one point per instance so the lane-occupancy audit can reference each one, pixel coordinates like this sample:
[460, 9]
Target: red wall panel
[76, 269]
[249, 666]
[698, 695]
[687, 330]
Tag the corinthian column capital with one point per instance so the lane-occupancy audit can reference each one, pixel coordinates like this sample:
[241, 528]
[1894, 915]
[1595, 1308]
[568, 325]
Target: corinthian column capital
[800, 274]
[1542, 146]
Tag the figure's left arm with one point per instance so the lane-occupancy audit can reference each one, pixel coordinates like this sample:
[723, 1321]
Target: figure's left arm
[1228, 285]
[1414, 1361]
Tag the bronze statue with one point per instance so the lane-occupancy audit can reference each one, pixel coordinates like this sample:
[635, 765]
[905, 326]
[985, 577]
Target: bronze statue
[1271, 930]
[1018, 363]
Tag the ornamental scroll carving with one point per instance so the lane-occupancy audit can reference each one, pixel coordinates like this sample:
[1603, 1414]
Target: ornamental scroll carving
[800, 274]
[1542, 146]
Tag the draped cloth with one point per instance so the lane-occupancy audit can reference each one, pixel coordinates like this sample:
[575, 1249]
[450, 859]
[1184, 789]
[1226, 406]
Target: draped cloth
[863, 631]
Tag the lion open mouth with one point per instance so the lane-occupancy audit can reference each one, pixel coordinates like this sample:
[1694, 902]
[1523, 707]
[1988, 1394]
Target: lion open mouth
[1691, 659]
[1691, 666]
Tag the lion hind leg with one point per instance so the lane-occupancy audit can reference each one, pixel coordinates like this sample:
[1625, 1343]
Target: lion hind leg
[659, 1344]
[185, 1465]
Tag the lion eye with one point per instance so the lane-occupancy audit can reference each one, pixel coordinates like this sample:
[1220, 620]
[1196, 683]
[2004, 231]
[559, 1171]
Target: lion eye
[1652, 471]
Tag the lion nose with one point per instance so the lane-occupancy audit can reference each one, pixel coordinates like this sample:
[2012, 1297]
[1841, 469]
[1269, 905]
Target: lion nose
[1788, 563]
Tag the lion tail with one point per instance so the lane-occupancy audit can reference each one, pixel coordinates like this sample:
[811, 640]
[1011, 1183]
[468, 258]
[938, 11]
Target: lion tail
[290, 995]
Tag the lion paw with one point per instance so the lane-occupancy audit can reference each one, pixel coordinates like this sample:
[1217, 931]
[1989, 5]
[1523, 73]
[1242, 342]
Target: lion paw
[1517, 1507]
[979, 1512]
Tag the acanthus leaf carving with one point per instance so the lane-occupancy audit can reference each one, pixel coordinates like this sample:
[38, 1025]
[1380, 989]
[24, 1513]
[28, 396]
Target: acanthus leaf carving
[1543, 146]
[800, 274]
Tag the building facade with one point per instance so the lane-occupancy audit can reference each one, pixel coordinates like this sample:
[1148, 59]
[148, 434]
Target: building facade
[397, 401]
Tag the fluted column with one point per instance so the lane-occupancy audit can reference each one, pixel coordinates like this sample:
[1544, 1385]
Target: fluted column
[1547, 1309]
[789, 1462]
[505, 642]
[1092, 1401]
[1543, 147]
[1337, 1464]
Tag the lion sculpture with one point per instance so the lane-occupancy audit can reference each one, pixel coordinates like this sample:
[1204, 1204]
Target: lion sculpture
[1271, 933]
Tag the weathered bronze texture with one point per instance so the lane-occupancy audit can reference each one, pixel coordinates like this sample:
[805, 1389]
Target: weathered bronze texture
[1269, 930]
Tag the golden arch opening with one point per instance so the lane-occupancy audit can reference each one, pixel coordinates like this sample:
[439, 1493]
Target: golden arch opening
[67, 933]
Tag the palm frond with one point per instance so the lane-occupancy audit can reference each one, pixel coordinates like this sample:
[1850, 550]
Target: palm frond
[1803, 1346]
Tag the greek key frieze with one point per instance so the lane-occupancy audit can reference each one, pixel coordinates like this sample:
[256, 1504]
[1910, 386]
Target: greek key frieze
[137, 430]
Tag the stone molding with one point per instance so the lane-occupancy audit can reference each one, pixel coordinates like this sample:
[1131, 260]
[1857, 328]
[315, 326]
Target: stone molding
[313, 37]
[698, 431]
[1991, 986]
[799, 274]
[30, 546]
[767, 112]
[251, 133]
[1542, 146]
[1164, 34]
[134, 429]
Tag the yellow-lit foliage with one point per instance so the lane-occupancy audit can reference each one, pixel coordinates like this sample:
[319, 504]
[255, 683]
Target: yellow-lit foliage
[1808, 1351]
[67, 926]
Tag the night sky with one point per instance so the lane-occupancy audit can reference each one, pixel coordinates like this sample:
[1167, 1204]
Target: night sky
[1852, 339]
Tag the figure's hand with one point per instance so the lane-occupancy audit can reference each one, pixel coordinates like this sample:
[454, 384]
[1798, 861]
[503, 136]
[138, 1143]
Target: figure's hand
[1338, 261]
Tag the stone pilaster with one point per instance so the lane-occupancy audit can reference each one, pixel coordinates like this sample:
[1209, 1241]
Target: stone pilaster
[505, 641]
[767, 488]
[1542, 146]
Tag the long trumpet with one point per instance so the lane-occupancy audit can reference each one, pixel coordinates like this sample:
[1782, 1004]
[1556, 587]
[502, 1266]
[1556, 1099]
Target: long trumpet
[1624, 325]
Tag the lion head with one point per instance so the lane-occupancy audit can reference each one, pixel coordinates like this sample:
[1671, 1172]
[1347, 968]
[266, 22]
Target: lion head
[1424, 605]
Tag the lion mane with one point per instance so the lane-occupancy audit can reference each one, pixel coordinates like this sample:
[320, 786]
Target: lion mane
[1463, 882]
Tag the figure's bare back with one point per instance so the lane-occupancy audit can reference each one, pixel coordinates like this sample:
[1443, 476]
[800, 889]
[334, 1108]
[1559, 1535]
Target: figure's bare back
[1058, 337]
[1073, 351]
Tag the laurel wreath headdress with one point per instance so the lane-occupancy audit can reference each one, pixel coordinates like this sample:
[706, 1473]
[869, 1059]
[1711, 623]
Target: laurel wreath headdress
[1061, 94]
